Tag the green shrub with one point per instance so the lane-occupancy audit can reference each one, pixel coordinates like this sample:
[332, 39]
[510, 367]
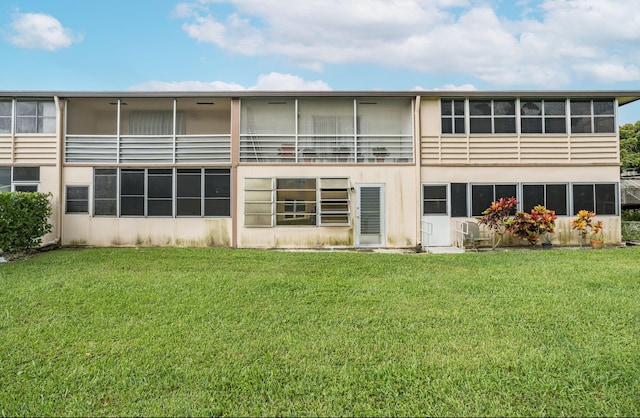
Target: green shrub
[24, 219]
[631, 215]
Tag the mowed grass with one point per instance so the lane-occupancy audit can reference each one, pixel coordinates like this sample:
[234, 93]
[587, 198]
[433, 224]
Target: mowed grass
[166, 332]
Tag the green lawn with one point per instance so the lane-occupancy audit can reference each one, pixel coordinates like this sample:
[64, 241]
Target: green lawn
[246, 332]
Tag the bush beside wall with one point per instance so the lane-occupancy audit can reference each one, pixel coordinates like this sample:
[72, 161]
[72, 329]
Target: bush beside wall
[24, 219]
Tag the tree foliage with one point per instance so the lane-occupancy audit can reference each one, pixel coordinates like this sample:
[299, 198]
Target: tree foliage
[630, 146]
[24, 219]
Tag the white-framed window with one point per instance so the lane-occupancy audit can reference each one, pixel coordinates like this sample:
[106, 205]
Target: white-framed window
[552, 196]
[35, 117]
[77, 199]
[592, 116]
[453, 116]
[488, 116]
[546, 116]
[6, 116]
[19, 179]
[601, 198]
[305, 201]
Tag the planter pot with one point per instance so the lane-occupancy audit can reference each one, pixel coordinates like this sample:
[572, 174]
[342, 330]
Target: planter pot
[597, 244]
[547, 245]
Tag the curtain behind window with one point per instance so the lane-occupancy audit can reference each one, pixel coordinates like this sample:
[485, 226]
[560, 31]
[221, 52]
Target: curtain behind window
[155, 123]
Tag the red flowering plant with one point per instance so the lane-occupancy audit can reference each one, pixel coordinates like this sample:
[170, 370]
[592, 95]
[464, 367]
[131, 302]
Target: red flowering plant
[497, 216]
[531, 226]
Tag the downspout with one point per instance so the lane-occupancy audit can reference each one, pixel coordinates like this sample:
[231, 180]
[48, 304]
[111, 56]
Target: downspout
[59, 158]
[418, 145]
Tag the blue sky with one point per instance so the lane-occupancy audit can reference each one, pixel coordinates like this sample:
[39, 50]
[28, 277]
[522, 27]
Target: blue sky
[96, 45]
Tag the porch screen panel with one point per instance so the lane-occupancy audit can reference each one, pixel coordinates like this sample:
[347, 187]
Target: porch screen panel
[583, 198]
[132, 192]
[326, 128]
[459, 200]
[105, 195]
[267, 130]
[217, 192]
[385, 123]
[189, 192]
[160, 192]
[606, 202]
[556, 198]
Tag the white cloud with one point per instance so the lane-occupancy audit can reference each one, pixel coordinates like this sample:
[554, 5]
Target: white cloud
[272, 81]
[40, 31]
[551, 43]
[449, 87]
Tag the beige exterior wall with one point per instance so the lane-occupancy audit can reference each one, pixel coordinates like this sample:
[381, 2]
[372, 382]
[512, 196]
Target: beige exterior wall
[50, 183]
[34, 150]
[401, 207]
[84, 229]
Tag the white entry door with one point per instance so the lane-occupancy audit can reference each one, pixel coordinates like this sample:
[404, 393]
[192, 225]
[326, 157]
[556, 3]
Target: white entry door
[370, 225]
[435, 215]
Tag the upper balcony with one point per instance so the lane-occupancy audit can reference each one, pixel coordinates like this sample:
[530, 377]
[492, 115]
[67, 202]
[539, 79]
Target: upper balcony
[326, 130]
[148, 131]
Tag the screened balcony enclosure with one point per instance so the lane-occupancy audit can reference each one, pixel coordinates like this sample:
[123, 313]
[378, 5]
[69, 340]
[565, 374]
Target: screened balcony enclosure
[326, 130]
[150, 130]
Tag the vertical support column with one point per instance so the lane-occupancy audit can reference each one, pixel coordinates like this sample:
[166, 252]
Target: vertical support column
[235, 159]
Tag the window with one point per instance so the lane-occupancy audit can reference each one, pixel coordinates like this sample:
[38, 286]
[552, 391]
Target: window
[160, 192]
[26, 179]
[217, 192]
[150, 192]
[482, 195]
[552, 196]
[77, 199]
[189, 192]
[6, 112]
[298, 201]
[459, 200]
[592, 116]
[132, 192]
[543, 116]
[5, 179]
[434, 200]
[598, 198]
[492, 116]
[258, 202]
[334, 202]
[452, 112]
[35, 117]
[105, 186]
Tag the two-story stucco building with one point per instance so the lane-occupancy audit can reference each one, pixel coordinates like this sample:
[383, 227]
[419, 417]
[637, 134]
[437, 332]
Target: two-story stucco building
[307, 169]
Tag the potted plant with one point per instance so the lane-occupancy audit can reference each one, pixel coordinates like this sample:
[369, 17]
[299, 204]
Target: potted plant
[308, 154]
[587, 226]
[531, 226]
[380, 153]
[547, 241]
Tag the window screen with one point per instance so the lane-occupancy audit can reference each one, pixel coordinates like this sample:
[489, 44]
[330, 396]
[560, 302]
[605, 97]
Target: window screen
[77, 199]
